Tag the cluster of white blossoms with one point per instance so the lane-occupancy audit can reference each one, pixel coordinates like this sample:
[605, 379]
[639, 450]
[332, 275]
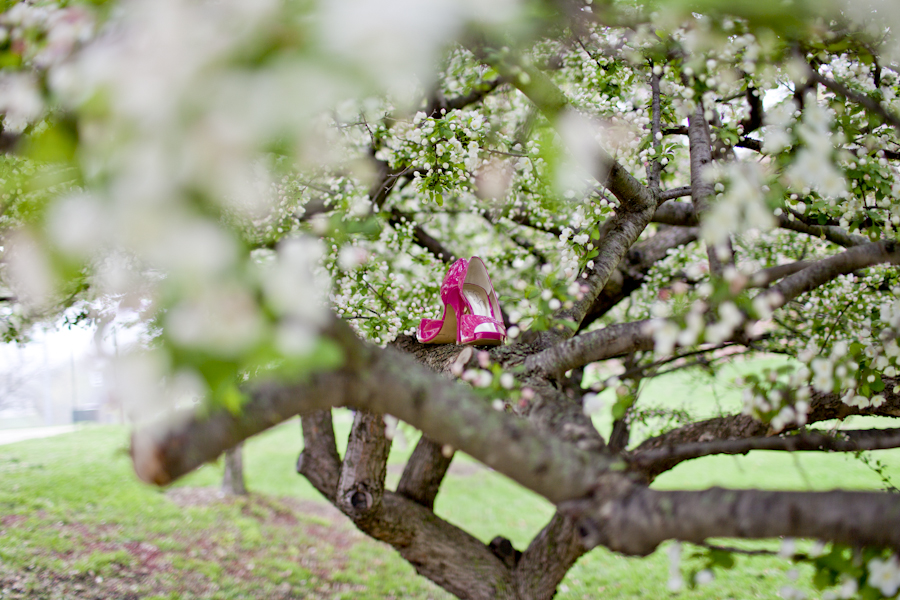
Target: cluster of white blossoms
[777, 400]
[848, 590]
[740, 203]
[44, 36]
[175, 183]
[884, 575]
[813, 168]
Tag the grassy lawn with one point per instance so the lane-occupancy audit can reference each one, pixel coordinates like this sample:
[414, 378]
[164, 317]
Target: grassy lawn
[75, 523]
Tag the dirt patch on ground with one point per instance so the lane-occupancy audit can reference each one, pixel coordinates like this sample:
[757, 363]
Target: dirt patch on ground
[300, 549]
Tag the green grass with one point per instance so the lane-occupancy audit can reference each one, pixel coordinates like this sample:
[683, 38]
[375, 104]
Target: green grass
[80, 513]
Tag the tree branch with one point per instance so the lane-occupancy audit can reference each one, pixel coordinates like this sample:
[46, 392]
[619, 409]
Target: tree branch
[654, 167]
[701, 187]
[632, 271]
[638, 520]
[361, 485]
[636, 336]
[424, 472]
[868, 103]
[738, 428]
[319, 461]
[841, 441]
[549, 557]
[829, 268]
[383, 381]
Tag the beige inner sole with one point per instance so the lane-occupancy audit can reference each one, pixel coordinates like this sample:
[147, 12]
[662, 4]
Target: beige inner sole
[447, 334]
[478, 300]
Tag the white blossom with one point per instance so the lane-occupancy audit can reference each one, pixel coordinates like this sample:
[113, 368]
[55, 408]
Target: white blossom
[884, 575]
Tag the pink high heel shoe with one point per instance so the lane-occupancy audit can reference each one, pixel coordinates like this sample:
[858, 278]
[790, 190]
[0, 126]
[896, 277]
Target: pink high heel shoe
[471, 313]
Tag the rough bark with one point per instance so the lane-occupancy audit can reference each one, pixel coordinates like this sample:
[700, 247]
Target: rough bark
[424, 472]
[361, 484]
[701, 186]
[319, 461]
[438, 550]
[548, 558]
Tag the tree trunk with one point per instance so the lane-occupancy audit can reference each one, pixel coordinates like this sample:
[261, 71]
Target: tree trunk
[233, 481]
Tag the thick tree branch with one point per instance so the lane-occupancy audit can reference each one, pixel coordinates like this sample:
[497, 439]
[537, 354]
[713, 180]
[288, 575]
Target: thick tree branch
[319, 462]
[361, 485]
[738, 428]
[424, 472]
[383, 381]
[825, 270]
[548, 558]
[637, 521]
[438, 550]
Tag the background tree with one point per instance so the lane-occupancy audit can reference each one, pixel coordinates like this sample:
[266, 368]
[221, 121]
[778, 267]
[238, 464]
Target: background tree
[278, 189]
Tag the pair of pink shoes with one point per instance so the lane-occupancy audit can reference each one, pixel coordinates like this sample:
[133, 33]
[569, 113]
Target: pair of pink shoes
[471, 313]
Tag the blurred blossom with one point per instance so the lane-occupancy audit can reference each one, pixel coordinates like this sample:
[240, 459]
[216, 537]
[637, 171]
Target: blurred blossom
[20, 100]
[29, 270]
[398, 41]
[884, 575]
[117, 274]
[742, 207]
[76, 223]
[295, 338]
[395, 41]
[581, 136]
[223, 320]
[65, 28]
[137, 384]
[351, 257]
[194, 248]
[293, 284]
